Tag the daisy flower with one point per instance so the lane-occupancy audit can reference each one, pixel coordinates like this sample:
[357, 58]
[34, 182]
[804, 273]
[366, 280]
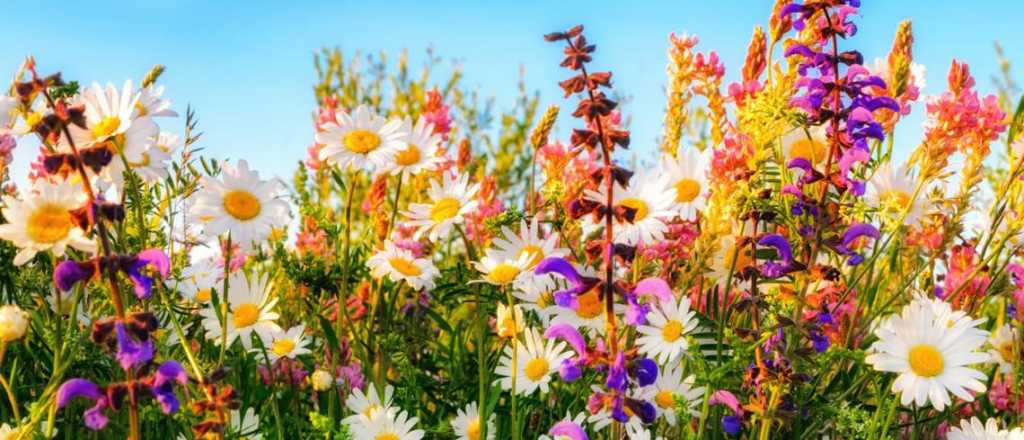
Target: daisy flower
[537, 359]
[199, 279]
[1002, 351]
[108, 113]
[467, 424]
[151, 103]
[687, 177]
[892, 190]
[509, 321]
[650, 199]
[450, 201]
[43, 221]
[603, 417]
[810, 144]
[250, 309]
[729, 258]
[240, 204]
[931, 354]
[670, 386]
[390, 424]
[245, 426]
[974, 430]
[359, 139]
[664, 337]
[400, 265]
[420, 151]
[151, 163]
[499, 270]
[588, 315]
[168, 142]
[528, 242]
[536, 299]
[367, 404]
[287, 344]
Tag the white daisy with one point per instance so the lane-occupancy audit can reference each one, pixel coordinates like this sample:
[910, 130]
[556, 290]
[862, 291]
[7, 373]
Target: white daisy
[367, 404]
[240, 204]
[664, 336]
[687, 176]
[810, 143]
[151, 103]
[670, 386]
[108, 113]
[528, 241]
[359, 139]
[168, 142]
[509, 321]
[419, 153]
[536, 299]
[1002, 349]
[499, 270]
[200, 278]
[9, 114]
[537, 359]
[450, 202]
[250, 309]
[245, 426]
[390, 424]
[892, 190]
[42, 222]
[151, 164]
[931, 353]
[651, 200]
[974, 430]
[400, 265]
[467, 424]
[288, 344]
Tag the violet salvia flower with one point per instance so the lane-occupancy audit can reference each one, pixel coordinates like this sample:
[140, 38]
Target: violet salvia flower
[645, 371]
[616, 379]
[94, 417]
[570, 369]
[655, 288]
[167, 375]
[70, 272]
[567, 429]
[776, 269]
[131, 353]
[852, 234]
[578, 284]
[141, 270]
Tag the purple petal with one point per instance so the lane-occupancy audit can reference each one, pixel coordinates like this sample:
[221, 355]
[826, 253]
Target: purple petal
[69, 272]
[568, 429]
[77, 388]
[131, 353]
[560, 266]
[569, 334]
[656, 287]
[780, 244]
[858, 230]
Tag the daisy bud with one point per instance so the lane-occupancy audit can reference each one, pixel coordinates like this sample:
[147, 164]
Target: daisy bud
[321, 380]
[13, 323]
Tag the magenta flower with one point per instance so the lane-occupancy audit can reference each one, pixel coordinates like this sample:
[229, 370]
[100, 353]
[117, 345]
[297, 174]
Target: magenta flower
[167, 375]
[94, 417]
[578, 284]
[568, 429]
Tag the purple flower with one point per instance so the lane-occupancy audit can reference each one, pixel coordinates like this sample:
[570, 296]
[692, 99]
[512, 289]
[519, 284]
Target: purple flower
[143, 269]
[578, 283]
[656, 288]
[731, 425]
[131, 353]
[94, 417]
[616, 379]
[569, 370]
[568, 429]
[569, 334]
[168, 374]
[819, 341]
[776, 269]
[854, 232]
[70, 272]
[645, 371]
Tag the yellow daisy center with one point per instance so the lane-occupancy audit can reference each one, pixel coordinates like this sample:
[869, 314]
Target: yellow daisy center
[386, 436]
[48, 224]
[536, 368]
[925, 360]
[106, 127]
[246, 315]
[672, 330]
[589, 305]
[665, 399]
[895, 198]
[637, 205]
[282, 347]
[370, 408]
[686, 190]
[473, 430]
[404, 266]
[1006, 351]
[444, 209]
[807, 149]
[408, 156]
[141, 109]
[241, 204]
[503, 273]
[144, 161]
[535, 254]
[204, 295]
[361, 141]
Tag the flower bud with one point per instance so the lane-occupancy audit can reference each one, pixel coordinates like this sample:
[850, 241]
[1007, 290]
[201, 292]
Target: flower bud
[13, 323]
[321, 380]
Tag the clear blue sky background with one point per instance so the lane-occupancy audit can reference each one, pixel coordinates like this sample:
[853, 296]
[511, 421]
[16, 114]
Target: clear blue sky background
[246, 66]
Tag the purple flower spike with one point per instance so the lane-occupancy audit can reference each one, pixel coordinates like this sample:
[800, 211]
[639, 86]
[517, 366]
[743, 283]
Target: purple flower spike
[141, 271]
[645, 371]
[69, 272]
[568, 429]
[775, 269]
[95, 418]
[131, 353]
[560, 266]
[731, 425]
[166, 376]
[853, 233]
[570, 370]
[617, 373]
[569, 334]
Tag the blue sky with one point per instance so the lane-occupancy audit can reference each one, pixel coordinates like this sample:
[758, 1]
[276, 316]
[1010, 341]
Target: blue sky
[246, 66]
